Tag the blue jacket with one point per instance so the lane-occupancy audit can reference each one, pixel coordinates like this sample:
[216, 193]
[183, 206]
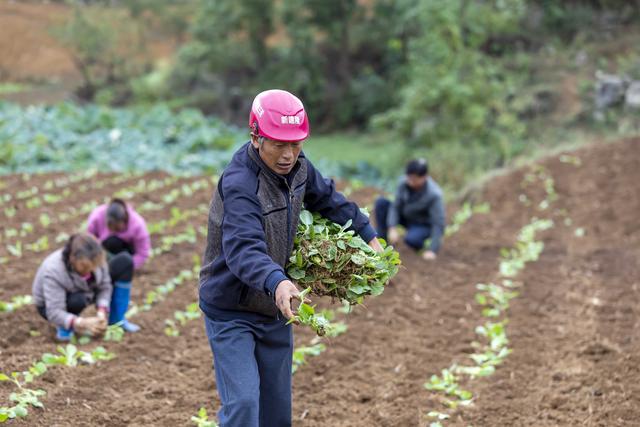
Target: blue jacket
[253, 220]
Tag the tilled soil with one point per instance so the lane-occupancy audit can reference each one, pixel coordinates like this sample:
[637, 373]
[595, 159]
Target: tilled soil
[572, 330]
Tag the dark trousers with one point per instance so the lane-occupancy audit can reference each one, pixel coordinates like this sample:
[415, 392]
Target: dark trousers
[120, 269]
[115, 245]
[252, 362]
[76, 302]
[416, 233]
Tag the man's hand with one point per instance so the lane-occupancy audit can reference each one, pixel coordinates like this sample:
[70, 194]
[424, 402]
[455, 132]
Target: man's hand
[375, 245]
[285, 292]
[90, 325]
[393, 235]
[429, 255]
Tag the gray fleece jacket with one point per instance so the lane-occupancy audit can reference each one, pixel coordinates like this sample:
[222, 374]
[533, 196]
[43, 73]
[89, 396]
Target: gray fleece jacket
[424, 207]
[53, 282]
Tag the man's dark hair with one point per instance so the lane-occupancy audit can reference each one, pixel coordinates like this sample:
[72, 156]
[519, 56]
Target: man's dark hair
[417, 167]
[117, 212]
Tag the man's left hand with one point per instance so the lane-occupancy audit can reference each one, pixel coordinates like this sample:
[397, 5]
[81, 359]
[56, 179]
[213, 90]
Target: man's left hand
[285, 292]
[375, 245]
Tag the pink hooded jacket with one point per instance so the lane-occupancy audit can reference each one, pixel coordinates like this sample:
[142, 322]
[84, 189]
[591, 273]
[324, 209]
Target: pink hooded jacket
[136, 233]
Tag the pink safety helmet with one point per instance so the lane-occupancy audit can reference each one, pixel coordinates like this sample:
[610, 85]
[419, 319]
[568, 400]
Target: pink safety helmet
[278, 115]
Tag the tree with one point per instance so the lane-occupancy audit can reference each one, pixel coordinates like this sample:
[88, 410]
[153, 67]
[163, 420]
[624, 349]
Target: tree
[455, 92]
[342, 58]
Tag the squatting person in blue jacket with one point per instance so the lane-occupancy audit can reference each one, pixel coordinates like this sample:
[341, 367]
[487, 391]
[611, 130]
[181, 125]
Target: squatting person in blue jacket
[244, 291]
[418, 207]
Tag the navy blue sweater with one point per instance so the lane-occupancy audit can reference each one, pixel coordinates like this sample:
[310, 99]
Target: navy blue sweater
[252, 224]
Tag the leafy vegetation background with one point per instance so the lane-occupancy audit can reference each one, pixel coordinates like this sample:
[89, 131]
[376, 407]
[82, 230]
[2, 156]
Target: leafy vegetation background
[471, 85]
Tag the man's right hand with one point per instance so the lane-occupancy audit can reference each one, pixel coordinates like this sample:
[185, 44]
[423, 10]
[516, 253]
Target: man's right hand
[393, 235]
[285, 292]
[91, 325]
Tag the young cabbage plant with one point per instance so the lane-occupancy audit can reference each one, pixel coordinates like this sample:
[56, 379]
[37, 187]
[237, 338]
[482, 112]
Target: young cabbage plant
[10, 212]
[23, 399]
[160, 292]
[15, 249]
[448, 384]
[70, 356]
[114, 332]
[463, 215]
[496, 333]
[16, 302]
[202, 419]
[181, 317]
[495, 297]
[300, 354]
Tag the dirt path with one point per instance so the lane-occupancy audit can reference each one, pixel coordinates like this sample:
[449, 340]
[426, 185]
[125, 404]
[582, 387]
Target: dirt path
[572, 330]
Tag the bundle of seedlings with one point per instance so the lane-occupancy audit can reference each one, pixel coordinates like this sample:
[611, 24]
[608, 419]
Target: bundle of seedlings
[328, 260]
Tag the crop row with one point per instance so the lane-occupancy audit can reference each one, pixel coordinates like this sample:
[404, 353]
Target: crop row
[24, 397]
[494, 300]
[35, 198]
[17, 248]
[49, 185]
[46, 220]
[167, 244]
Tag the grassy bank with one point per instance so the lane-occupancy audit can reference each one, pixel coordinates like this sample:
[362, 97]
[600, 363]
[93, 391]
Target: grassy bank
[379, 159]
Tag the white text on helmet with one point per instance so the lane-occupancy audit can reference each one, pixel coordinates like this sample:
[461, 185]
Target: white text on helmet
[291, 120]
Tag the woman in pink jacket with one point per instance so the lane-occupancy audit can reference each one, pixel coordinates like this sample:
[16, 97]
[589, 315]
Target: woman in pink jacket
[122, 231]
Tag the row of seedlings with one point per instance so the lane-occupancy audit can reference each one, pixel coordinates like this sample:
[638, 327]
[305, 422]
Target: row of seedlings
[494, 300]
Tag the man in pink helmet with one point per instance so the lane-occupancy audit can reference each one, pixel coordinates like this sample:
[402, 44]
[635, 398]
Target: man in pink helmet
[244, 291]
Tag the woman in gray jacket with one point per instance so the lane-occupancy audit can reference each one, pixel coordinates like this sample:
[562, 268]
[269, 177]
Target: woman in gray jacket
[74, 277]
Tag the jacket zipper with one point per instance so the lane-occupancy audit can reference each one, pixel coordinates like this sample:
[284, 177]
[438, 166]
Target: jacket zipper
[289, 197]
[289, 212]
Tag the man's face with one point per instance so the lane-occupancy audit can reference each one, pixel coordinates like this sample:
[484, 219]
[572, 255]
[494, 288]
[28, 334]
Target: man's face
[280, 157]
[416, 182]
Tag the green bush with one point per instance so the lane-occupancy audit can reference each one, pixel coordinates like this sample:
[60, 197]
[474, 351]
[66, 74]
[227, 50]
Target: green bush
[456, 93]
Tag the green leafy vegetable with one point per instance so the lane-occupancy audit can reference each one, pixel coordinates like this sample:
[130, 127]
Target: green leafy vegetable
[335, 262]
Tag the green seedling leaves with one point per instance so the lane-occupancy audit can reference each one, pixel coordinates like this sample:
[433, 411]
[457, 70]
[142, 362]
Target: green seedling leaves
[114, 333]
[300, 354]
[70, 356]
[463, 215]
[335, 262]
[202, 419]
[98, 354]
[495, 301]
[23, 399]
[191, 312]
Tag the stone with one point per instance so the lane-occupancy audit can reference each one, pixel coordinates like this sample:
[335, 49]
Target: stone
[610, 90]
[632, 96]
